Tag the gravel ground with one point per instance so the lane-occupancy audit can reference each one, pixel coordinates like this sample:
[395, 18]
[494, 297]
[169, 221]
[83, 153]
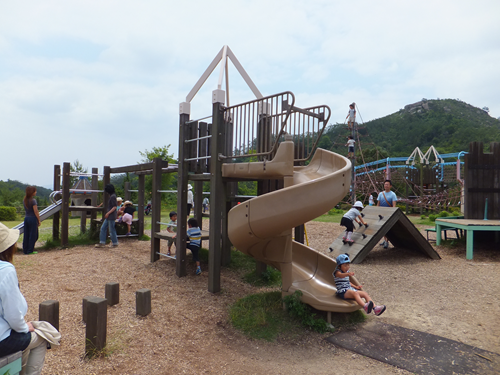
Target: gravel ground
[188, 330]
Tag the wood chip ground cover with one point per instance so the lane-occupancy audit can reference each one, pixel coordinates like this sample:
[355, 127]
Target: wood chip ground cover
[189, 332]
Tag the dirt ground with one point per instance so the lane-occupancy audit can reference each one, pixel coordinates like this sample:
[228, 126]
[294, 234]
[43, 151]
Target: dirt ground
[189, 331]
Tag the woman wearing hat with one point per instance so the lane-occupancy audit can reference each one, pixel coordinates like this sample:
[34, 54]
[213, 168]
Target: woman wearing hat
[15, 334]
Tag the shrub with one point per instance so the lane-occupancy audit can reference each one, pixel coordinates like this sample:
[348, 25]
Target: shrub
[423, 217]
[456, 213]
[335, 211]
[8, 213]
[443, 214]
[432, 217]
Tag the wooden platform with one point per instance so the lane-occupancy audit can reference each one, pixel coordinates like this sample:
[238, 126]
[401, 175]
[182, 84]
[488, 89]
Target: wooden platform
[469, 226]
[383, 221]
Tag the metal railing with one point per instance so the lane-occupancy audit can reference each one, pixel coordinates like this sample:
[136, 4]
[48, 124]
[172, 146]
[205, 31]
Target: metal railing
[257, 127]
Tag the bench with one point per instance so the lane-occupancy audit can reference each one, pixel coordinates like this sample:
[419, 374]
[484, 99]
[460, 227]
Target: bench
[433, 230]
[11, 364]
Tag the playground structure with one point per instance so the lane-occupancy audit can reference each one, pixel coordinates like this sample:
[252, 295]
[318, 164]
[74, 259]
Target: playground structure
[269, 140]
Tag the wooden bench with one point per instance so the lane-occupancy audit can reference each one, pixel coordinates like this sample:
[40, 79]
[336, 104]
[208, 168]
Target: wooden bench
[11, 364]
[433, 230]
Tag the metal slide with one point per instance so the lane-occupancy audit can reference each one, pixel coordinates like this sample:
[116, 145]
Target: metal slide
[44, 214]
[262, 227]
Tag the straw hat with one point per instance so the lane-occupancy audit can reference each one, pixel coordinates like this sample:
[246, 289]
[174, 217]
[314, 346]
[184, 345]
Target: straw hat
[8, 237]
[119, 199]
[189, 187]
[126, 203]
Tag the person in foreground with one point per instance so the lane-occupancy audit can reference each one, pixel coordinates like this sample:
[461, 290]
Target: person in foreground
[15, 334]
[347, 290]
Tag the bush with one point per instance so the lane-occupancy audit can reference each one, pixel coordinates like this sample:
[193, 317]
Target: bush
[456, 213]
[423, 217]
[443, 214]
[432, 217]
[8, 213]
[335, 211]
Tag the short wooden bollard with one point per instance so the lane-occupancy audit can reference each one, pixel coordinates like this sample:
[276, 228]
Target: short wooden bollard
[48, 311]
[84, 308]
[95, 333]
[143, 302]
[112, 293]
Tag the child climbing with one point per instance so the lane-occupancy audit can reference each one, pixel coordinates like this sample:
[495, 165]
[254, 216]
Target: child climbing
[350, 144]
[354, 214]
[128, 215]
[347, 290]
[194, 235]
[351, 115]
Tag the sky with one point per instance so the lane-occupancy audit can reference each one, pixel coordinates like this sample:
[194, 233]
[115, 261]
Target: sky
[100, 81]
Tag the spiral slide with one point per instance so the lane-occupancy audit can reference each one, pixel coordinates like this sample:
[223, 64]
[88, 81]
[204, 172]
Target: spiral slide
[262, 227]
[44, 214]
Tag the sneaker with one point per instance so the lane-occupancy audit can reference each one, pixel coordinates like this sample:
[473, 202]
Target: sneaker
[168, 253]
[114, 245]
[378, 310]
[100, 245]
[386, 244]
[198, 271]
[382, 243]
[128, 234]
[368, 307]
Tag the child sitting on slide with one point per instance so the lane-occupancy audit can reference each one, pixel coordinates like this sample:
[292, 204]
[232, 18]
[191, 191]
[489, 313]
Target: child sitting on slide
[347, 290]
[354, 214]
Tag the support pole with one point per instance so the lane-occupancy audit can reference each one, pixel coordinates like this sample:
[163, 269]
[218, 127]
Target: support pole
[56, 217]
[93, 214]
[140, 207]
[156, 209]
[218, 193]
[65, 206]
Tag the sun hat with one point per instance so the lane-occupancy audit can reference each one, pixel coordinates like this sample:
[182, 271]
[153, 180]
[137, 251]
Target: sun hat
[8, 237]
[358, 204]
[342, 258]
[119, 199]
[127, 202]
[189, 187]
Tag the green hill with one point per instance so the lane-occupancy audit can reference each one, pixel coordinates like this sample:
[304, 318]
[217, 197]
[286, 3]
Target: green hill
[12, 193]
[447, 124]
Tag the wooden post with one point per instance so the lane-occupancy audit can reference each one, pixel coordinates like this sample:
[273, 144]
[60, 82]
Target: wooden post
[48, 311]
[140, 207]
[84, 308]
[95, 186]
[198, 200]
[182, 181]
[218, 198]
[83, 221]
[95, 333]
[127, 190]
[156, 209]
[65, 206]
[56, 217]
[143, 302]
[112, 293]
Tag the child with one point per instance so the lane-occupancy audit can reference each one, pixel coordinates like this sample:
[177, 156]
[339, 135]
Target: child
[172, 228]
[351, 115]
[353, 214]
[119, 209]
[128, 215]
[371, 202]
[347, 290]
[350, 143]
[194, 236]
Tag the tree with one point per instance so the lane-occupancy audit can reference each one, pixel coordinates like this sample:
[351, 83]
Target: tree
[76, 167]
[167, 179]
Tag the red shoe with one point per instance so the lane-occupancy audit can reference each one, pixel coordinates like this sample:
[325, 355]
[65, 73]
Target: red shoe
[378, 310]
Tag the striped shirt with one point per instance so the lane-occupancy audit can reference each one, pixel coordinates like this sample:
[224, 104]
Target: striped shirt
[194, 235]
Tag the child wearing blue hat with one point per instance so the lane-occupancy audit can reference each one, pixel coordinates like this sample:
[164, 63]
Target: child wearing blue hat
[347, 290]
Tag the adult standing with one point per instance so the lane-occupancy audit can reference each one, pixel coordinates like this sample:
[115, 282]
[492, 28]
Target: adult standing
[386, 198]
[15, 333]
[31, 221]
[109, 219]
[190, 199]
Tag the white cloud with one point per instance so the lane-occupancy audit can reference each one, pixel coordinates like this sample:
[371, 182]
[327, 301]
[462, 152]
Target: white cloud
[99, 81]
